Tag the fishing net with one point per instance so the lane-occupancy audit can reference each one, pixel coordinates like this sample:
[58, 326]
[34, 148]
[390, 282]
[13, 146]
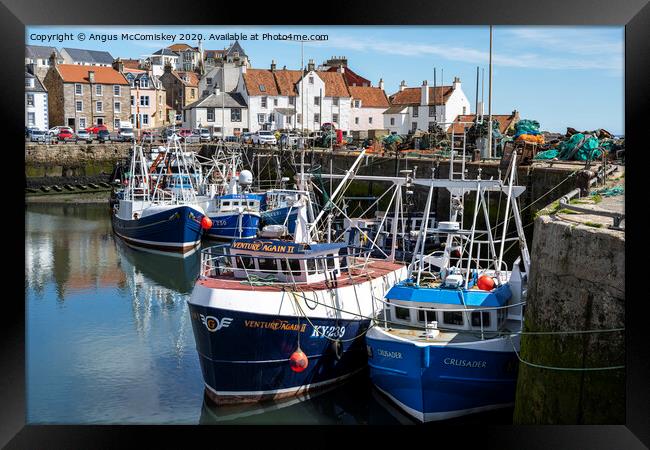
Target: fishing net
[610, 191]
[526, 126]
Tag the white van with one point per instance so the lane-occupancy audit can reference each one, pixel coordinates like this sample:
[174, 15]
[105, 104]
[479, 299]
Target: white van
[125, 132]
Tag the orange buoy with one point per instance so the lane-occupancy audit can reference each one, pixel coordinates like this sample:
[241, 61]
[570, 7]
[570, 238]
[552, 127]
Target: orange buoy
[485, 283]
[206, 223]
[298, 361]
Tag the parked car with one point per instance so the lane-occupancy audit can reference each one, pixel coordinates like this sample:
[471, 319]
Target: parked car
[289, 139]
[103, 136]
[231, 139]
[125, 132]
[264, 137]
[246, 138]
[65, 134]
[84, 135]
[203, 134]
[38, 136]
[148, 136]
[95, 129]
[184, 132]
[54, 131]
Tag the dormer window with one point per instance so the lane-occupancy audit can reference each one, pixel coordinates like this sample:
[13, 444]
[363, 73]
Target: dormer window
[357, 103]
[311, 80]
[262, 88]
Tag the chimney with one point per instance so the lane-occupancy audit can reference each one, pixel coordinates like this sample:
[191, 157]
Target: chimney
[341, 69]
[53, 60]
[381, 84]
[118, 65]
[456, 84]
[168, 68]
[424, 93]
[284, 67]
[402, 86]
[310, 65]
[273, 65]
[243, 68]
[91, 76]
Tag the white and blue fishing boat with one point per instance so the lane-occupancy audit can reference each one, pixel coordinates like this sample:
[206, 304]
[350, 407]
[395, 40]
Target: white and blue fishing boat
[160, 211]
[446, 341]
[275, 318]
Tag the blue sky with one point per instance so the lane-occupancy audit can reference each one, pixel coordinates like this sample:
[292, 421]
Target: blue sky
[560, 76]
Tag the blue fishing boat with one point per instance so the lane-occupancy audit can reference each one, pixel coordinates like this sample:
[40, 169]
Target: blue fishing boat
[281, 208]
[276, 318]
[236, 216]
[445, 343]
[161, 212]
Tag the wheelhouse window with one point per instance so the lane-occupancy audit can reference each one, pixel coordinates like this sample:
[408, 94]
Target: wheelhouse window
[476, 319]
[267, 264]
[402, 313]
[452, 317]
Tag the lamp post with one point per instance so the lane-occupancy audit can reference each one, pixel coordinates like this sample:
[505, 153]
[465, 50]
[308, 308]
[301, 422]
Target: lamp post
[137, 106]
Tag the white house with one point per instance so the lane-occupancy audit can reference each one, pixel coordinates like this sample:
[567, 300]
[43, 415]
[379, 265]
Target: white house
[189, 58]
[217, 110]
[222, 78]
[160, 59]
[419, 108]
[35, 103]
[368, 106]
[287, 99]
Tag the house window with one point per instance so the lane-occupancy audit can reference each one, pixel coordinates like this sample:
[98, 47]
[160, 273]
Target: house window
[452, 317]
[116, 123]
[99, 107]
[262, 88]
[357, 103]
[299, 118]
[29, 82]
[260, 118]
[317, 101]
[82, 123]
[30, 99]
[100, 121]
[31, 118]
[292, 100]
[392, 121]
[117, 107]
[116, 90]
[210, 114]
[78, 89]
[335, 118]
[145, 119]
[432, 111]
[99, 90]
[431, 125]
[144, 100]
[264, 102]
[402, 313]
[335, 101]
[132, 100]
[356, 121]
[369, 119]
[208, 81]
[271, 117]
[144, 83]
[464, 110]
[311, 80]
[275, 102]
[317, 118]
[235, 115]
[192, 93]
[414, 126]
[79, 105]
[415, 111]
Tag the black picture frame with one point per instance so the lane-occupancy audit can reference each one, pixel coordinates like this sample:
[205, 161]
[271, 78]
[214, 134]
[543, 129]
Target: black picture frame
[633, 14]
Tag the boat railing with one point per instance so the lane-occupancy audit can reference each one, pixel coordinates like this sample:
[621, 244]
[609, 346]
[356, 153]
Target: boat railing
[217, 262]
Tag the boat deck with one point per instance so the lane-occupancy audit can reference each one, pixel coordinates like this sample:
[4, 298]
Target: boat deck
[444, 337]
[374, 269]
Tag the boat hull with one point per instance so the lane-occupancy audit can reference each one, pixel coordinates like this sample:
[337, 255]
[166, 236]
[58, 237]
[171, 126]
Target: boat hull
[438, 382]
[226, 226]
[176, 230]
[279, 217]
[244, 356]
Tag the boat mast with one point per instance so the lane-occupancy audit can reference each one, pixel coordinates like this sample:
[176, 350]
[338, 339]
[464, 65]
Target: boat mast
[489, 152]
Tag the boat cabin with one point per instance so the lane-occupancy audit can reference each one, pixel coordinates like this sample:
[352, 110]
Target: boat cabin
[236, 202]
[285, 261]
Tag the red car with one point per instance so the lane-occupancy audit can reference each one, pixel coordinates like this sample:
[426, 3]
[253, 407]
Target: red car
[64, 134]
[96, 128]
[185, 132]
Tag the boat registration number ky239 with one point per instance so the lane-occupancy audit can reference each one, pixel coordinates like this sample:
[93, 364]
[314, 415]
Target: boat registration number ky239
[326, 331]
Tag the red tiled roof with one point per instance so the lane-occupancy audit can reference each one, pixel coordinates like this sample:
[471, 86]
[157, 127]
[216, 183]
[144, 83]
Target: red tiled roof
[286, 81]
[131, 63]
[334, 84]
[351, 78]
[180, 47]
[411, 96]
[505, 121]
[73, 73]
[254, 78]
[371, 97]
[193, 78]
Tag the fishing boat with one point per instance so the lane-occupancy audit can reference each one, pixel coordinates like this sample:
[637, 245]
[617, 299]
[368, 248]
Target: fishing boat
[445, 343]
[159, 211]
[275, 318]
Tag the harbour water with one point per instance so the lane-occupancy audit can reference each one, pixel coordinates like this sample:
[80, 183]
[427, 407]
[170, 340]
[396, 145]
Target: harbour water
[109, 339]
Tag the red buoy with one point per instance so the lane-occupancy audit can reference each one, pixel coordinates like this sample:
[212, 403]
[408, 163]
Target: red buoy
[485, 283]
[298, 361]
[206, 223]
